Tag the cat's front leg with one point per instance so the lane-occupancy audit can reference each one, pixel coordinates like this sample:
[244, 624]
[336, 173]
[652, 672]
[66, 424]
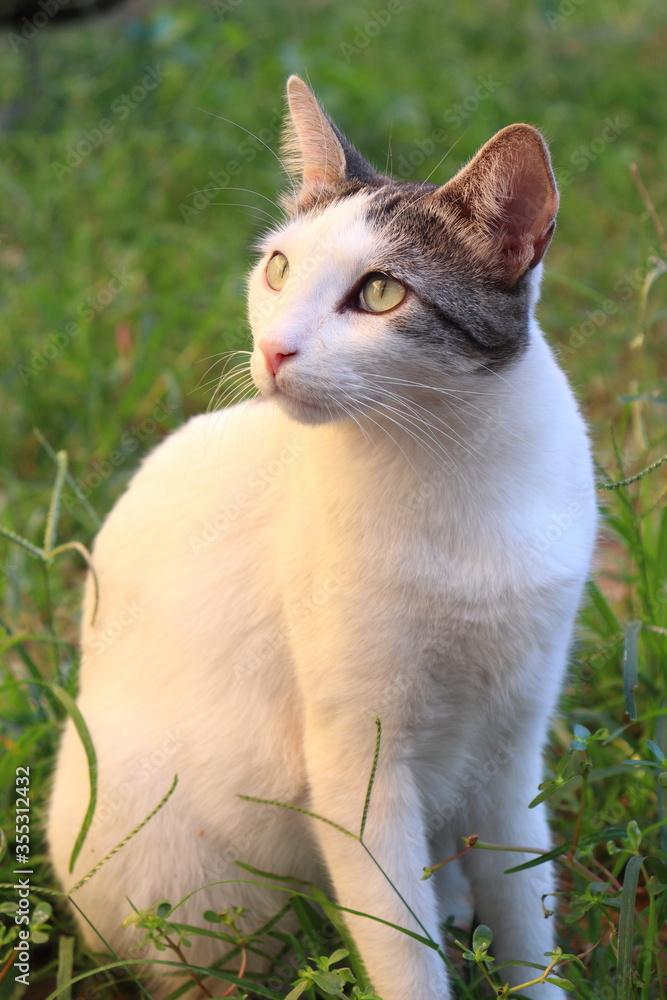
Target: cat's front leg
[394, 850]
[511, 904]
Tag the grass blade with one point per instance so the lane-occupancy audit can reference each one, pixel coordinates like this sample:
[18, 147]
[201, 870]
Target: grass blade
[125, 966]
[624, 990]
[23, 542]
[369, 790]
[310, 923]
[97, 521]
[632, 479]
[124, 841]
[602, 606]
[630, 667]
[65, 964]
[299, 809]
[72, 709]
[54, 507]
[355, 960]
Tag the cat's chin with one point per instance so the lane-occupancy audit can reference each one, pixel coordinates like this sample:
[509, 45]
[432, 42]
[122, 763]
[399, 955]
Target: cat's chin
[304, 412]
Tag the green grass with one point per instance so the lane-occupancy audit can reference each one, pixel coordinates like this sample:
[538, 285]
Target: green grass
[119, 283]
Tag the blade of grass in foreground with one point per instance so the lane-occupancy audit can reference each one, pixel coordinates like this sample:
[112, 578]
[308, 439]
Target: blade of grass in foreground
[630, 667]
[626, 930]
[82, 729]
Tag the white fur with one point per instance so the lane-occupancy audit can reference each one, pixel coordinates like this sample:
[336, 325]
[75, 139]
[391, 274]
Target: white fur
[268, 587]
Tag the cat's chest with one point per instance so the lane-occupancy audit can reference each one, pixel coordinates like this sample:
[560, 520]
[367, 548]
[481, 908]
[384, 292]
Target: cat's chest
[435, 551]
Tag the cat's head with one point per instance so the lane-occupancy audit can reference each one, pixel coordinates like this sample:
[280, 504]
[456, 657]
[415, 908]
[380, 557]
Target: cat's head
[376, 287]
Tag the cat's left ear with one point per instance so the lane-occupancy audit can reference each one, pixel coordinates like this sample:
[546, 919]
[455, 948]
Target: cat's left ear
[505, 202]
[316, 153]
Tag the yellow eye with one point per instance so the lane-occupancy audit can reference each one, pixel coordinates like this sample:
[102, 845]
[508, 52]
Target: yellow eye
[277, 271]
[380, 293]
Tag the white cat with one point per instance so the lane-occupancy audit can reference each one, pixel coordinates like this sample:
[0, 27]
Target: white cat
[400, 528]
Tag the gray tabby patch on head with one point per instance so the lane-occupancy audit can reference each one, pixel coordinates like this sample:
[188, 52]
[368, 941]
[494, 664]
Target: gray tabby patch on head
[465, 247]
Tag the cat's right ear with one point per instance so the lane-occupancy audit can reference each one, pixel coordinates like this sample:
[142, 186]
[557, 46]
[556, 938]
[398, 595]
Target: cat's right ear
[504, 203]
[315, 152]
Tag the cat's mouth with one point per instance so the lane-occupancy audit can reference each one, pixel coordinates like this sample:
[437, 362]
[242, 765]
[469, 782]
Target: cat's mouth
[303, 403]
[306, 411]
[303, 410]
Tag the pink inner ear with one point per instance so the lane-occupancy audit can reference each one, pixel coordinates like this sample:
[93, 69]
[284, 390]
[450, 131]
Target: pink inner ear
[528, 214]
[531, 207]
[506, 200]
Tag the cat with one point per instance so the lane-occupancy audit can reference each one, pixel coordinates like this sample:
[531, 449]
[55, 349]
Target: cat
[401, 528]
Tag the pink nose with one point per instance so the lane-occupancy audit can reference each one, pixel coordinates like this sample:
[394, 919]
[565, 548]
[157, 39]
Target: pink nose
[274, 354]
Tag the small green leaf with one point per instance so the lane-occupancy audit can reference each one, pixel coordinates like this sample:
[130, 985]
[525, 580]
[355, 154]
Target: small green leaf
[330, 982]
[338, 956]
[298, 990]
[41, 913]
[634, 836]
[482, 937]
[549, 788]
[657, 752]
[163, 910]
[564, 984]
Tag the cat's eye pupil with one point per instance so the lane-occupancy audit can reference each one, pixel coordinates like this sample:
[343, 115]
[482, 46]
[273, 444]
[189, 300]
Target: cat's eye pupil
[379, 293]
[277, 271]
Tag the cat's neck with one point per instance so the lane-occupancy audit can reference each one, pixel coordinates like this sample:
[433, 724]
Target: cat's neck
[476, 430]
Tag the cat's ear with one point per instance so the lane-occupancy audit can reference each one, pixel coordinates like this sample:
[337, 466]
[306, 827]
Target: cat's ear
[316, 153]
[505, 201]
